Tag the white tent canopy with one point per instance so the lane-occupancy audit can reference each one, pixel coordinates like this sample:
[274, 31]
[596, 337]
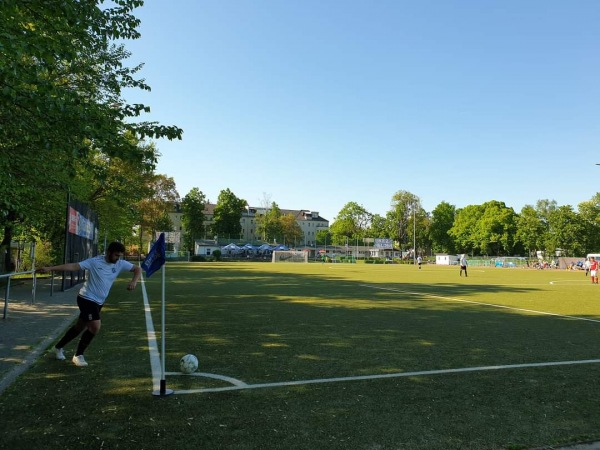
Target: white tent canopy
[231, 249]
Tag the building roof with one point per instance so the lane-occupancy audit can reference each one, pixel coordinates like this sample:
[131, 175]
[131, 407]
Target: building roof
[299, 214]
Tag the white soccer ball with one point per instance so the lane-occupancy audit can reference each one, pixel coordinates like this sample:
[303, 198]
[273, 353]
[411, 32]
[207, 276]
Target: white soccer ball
[188, 364]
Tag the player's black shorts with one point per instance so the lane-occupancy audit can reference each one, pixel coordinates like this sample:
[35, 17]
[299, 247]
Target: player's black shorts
[88, 310]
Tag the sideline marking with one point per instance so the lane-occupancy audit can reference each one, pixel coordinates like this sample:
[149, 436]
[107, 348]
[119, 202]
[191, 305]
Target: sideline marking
[383, 376]
[569, 281]
[454, 299]
[152, 343]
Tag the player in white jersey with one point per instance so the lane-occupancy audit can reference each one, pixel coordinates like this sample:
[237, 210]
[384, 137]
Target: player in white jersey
[102, 272]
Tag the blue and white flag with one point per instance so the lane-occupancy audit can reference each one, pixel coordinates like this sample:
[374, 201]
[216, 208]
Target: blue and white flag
[156, 258]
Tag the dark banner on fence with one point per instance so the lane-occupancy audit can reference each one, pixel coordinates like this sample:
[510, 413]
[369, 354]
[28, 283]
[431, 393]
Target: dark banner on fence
[81, 237]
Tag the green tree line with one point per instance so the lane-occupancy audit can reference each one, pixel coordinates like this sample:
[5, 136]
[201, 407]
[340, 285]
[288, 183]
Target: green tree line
[492, 228]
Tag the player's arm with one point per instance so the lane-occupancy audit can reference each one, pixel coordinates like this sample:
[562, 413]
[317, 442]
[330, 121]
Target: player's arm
[69, 267]
[137, 273]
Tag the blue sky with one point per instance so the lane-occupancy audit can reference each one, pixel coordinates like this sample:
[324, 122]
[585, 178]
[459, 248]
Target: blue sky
[316, 103]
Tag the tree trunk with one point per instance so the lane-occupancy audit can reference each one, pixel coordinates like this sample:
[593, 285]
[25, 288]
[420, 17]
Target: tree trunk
[6, 263]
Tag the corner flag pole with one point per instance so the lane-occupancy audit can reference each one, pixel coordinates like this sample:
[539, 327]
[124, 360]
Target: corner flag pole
[156, 259]
[163, 381]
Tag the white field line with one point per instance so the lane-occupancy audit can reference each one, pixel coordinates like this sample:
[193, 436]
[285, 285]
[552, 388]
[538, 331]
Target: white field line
[493, 305]
[233, 381]
[383, 376]
[152, 343]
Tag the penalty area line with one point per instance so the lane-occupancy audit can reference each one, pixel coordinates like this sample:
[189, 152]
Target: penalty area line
[384, 376]
[493, 305]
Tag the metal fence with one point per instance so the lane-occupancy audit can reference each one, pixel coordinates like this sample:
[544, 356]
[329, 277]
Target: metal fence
[9, 277]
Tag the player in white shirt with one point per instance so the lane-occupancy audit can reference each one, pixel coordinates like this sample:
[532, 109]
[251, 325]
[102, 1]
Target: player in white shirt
[463, 265]
[102, 271]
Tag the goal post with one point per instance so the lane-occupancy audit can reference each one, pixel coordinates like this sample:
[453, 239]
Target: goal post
[296, 256]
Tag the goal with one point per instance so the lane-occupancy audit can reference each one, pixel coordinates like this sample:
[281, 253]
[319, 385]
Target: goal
[290, 256]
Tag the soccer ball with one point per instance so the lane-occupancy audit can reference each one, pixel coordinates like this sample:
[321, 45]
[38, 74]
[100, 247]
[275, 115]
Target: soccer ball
[188, 364]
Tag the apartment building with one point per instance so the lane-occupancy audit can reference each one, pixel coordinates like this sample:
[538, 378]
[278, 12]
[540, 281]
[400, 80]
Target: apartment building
[310, 223]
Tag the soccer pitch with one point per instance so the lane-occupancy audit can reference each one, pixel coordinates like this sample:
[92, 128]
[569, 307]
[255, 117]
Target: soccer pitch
[352, 314]
[336, 356]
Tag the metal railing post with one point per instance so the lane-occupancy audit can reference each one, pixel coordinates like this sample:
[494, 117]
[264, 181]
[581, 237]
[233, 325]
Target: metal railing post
[6, 293]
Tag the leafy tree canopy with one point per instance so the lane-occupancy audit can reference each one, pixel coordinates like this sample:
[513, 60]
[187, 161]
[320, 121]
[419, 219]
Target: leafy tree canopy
[62, 79]
[228, 212]
[352, 222]
[405, 206]
[193, 205]
[442, 219]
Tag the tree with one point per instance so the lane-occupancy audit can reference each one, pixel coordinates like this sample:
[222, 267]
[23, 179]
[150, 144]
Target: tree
[269, 224]
[379, 228]
[114, 188]
[227, 214]
[273, 223]
[351, 222]
[154, 208]
[405, 205]
[192, 206]
[324, 237]
[422, 232]
[290, 230]
[442, 219]
[61, 85]
[565, 230]
[496, 229]
[485, 229]
[464, 229]
[589, 212]
[530, 230]
[544, 208]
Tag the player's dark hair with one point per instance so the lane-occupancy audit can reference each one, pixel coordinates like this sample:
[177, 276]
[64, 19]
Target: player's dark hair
[114, 247]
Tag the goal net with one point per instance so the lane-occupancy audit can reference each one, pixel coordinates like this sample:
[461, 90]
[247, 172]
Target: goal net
[290, 256]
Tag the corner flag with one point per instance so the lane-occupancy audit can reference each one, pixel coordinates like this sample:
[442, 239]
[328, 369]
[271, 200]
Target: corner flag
[156, 257]
[155, 260]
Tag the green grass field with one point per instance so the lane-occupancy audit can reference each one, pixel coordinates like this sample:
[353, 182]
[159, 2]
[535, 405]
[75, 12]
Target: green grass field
[328, 356]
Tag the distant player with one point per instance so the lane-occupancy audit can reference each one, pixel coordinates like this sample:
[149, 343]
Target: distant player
[593, 270]
[419, 261]
[586, 266]
[463, 265]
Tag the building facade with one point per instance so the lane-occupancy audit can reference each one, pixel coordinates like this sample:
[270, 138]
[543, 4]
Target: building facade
[310, 222]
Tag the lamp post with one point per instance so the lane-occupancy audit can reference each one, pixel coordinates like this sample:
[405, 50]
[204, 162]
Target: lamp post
[346, 246]
[414, 235]
[247, 222]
